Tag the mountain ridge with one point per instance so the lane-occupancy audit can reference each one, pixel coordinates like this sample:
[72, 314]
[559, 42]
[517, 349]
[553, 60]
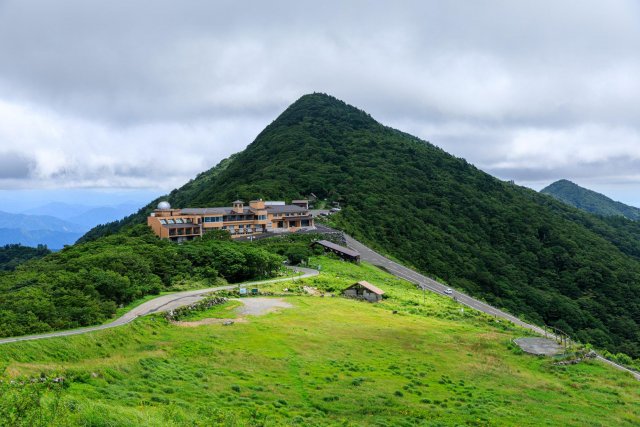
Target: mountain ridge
[589, 200]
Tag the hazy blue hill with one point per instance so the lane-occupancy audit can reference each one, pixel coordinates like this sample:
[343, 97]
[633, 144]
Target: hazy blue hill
[84, 216]
[518, 249]
[37, 222]
[51, 238]
[589, 201]
[33, 230]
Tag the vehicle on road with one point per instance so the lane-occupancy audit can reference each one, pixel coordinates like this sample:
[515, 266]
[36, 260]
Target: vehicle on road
[448, 291]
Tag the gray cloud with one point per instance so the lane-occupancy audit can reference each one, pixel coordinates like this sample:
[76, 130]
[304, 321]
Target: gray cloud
[15, 165]
[110, 93]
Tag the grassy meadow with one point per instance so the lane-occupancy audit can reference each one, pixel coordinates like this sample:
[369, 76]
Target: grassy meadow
[325, 361]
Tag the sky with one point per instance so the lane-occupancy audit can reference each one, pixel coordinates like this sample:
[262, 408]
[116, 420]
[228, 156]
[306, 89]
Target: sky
[130, 99]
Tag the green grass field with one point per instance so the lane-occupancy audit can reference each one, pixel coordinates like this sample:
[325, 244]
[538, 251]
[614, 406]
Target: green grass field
[326, 361]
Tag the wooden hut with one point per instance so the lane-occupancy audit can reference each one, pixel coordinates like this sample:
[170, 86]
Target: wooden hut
[364, 290]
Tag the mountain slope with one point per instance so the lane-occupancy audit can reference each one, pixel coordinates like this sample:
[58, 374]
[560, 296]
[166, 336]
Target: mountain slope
[589, 201]
[518, 249]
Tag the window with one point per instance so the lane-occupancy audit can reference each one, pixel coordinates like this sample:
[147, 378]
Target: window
[163, 221]
[179, 221]
[171, 221]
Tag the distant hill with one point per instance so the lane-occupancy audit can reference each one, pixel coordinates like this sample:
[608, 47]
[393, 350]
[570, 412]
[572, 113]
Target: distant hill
[34, 230]
[84, 215]
[520, 250]
[589, 201]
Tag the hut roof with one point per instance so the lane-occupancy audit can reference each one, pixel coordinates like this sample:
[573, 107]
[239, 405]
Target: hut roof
[344, 250]
[369, 286]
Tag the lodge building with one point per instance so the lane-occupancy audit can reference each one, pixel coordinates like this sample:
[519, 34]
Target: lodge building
[259, 217]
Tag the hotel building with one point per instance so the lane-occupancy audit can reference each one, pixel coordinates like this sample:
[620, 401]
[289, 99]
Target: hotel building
[259, 217]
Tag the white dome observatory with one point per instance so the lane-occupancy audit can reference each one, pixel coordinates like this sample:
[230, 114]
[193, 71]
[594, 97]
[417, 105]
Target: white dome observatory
[164, 206]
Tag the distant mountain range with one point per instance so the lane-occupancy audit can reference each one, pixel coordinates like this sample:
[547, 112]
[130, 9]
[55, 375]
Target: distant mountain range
[589, 201]
[57, 224]
[32, 230]
[83, 215]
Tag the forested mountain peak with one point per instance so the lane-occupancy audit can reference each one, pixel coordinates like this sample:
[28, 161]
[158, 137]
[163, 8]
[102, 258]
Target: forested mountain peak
[320, 106]
[589, 200]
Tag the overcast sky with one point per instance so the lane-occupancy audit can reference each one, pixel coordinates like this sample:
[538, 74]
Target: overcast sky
[146, 94]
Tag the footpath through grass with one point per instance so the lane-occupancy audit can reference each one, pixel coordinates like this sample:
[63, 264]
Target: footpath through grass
[325, 361]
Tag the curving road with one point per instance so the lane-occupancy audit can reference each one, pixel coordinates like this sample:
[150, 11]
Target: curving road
[160, 304]
[426, 283]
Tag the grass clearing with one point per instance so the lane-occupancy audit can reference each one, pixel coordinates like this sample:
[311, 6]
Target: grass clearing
[325, 361]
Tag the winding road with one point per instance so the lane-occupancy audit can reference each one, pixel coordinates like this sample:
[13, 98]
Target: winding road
[160, 304]
[426, 283]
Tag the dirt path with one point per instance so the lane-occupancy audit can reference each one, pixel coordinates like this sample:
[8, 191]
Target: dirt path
[259, 306]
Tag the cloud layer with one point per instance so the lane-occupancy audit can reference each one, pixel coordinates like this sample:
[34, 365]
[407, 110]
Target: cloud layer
[149, 93]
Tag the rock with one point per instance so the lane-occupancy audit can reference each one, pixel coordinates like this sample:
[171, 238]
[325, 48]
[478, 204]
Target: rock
[228, 323]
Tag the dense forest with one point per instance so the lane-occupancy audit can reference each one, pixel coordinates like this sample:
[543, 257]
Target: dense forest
[13, 255]
[85, 283]
[589, 200]
[520, 250]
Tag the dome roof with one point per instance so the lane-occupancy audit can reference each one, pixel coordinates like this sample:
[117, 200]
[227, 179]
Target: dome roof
[164, 205]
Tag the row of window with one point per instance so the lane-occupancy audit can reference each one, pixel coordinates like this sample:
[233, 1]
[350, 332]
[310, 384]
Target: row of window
[176, 221]
[234, 218]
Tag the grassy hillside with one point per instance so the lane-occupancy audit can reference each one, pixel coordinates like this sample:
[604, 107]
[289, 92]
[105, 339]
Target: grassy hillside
[325, 361]
[520, 250]
[589, 201]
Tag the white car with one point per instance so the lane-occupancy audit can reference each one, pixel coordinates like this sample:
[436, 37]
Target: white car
[448, 291]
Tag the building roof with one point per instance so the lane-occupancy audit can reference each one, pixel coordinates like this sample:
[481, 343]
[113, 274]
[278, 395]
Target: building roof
[342, 249]
[286, 209]
[376, 290]
[206, 211]
[247, 210]
[300, 201]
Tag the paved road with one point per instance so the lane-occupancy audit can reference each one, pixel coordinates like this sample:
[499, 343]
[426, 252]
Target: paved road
[398, 270]
[157, 305]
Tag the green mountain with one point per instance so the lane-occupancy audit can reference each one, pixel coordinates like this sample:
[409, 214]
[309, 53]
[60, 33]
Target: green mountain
[518, 249]
[589, 201]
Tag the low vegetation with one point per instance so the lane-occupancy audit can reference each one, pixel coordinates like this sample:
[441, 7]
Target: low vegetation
[12, 256]
[325, 361]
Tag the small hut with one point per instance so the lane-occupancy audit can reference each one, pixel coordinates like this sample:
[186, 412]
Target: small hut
[342, 251]
[364, 290]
